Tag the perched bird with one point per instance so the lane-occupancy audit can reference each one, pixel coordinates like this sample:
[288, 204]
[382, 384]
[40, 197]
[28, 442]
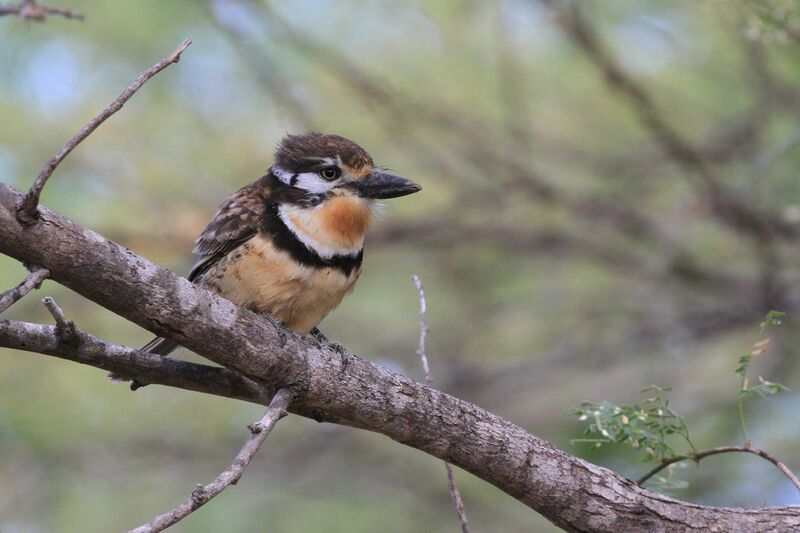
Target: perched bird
[291, 243]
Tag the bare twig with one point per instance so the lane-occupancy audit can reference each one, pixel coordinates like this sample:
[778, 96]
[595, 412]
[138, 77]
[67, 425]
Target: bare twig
[230, 476]
[697, 456]
[423, 334]
[34, 280]
[27, 210]
[423, 329]
[65, 328]
[32, 10]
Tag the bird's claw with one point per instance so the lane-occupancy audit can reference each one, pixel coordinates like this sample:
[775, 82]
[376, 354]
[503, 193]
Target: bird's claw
[280, 327]
[323, 340]
[335, 346]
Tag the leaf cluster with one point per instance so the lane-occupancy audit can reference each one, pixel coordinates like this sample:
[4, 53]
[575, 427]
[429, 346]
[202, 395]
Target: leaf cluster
[654, 428]
[647, 427]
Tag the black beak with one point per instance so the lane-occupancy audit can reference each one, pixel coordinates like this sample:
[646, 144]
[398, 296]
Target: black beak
[379, 185]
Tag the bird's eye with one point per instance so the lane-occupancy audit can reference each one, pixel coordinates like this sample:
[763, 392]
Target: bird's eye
[330, 173]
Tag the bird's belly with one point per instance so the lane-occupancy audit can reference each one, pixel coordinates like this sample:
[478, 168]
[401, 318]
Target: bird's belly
[265, 279]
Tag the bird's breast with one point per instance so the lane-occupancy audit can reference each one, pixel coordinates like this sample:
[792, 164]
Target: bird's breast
[262, 277]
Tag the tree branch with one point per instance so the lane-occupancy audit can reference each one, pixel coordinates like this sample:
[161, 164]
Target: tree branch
[144, 367]
[231, 475]
[342, 387]
[725, 204]
[26, 212]
[423, 334]
[36, 276]
[33, 10]
[702, 454]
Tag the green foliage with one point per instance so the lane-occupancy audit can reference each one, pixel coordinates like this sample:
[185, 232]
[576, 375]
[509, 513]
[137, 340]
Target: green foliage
[772, 20]
[653, 426]
[764, 388]
[646, 427]
[484, 98]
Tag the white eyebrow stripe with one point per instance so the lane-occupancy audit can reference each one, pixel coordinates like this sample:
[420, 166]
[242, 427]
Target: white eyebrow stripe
[283, 174]
[308, 181]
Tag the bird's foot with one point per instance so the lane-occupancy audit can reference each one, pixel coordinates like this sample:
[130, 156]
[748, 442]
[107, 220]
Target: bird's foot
[323, 340]
[280, 327]
[335, 346]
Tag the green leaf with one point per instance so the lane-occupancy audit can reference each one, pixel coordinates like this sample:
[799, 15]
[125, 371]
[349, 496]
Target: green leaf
[773, 318]
[744, 364]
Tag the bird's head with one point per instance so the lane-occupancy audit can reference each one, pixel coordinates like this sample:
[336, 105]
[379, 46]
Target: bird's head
[329, 165]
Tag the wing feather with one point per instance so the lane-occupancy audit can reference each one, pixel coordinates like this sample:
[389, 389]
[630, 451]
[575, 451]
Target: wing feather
[235, 222]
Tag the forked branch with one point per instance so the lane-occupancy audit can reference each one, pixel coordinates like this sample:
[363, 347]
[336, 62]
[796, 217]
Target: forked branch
[231, 475]
[36, 276]
[702, 454]
[27, 210]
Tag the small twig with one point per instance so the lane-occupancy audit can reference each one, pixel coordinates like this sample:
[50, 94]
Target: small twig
[65, 328]
[230, 476]
[26, 211]
[423, 335]
[423, 329]
[697, 456]
[32, 10]
[36, 276]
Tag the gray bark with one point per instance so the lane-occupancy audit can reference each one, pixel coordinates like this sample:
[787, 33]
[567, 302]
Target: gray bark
[326, 386]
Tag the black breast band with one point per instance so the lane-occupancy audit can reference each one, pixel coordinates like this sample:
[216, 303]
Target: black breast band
[284, 239]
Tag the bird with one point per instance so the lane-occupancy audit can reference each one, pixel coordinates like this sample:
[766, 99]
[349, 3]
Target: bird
[290, 244]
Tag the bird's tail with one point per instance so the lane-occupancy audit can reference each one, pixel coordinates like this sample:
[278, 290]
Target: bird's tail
[159, 345]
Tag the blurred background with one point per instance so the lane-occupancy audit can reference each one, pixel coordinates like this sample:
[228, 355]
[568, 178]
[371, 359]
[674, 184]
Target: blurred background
[610, 201]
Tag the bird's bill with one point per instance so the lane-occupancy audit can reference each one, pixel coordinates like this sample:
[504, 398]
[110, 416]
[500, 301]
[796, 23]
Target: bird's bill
[380, 185]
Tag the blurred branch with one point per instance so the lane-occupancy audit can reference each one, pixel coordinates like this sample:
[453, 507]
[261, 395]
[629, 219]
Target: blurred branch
[26, 212]
[725, 204]
[268, 73]
[34, 280]
[765, 160]
[423, 334]
[702, 454]
[359, 392]
[474, 146]
[231, 475]
[33, 10]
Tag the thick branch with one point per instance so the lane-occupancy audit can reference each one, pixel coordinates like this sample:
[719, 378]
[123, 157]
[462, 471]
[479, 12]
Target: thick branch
[27, 208]
[231, 475]
[572, 493]
[34, 280]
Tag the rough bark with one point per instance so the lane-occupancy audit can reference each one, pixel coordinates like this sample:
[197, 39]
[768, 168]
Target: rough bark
[327, 386]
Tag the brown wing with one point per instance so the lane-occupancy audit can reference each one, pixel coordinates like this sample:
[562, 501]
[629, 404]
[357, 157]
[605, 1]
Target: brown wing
[235, 222]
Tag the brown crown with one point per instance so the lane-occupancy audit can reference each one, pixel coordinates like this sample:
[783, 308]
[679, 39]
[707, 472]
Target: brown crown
[296, 152]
